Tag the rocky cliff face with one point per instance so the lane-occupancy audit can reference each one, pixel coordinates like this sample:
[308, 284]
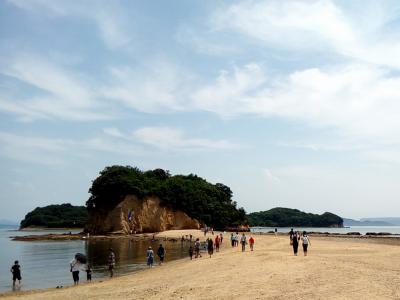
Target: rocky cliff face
[147, 216]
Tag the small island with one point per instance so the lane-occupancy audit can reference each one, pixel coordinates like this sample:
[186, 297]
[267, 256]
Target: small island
[128, 200]
[56, 216]
[287, 217]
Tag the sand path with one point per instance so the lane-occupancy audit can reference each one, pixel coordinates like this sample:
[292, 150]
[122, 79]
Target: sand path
[335, 269]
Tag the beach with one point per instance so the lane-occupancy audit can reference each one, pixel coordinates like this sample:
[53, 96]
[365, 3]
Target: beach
[336, 268]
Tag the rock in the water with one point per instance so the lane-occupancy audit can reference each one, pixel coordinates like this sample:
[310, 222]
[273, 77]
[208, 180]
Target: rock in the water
[147, 216]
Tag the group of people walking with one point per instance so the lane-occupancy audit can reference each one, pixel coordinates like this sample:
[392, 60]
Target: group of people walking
[209, 245]
[295, 237]
[235, 239]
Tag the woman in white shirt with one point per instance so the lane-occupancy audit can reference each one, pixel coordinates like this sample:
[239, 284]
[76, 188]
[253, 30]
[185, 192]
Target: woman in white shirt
[75, 266]
[306, 242]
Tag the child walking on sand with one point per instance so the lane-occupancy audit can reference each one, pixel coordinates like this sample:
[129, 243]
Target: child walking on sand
[251, 243]
[191, 252]
[306, 242]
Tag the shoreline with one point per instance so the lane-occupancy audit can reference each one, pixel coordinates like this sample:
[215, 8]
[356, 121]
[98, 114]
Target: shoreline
[336, 268]
[149, 236]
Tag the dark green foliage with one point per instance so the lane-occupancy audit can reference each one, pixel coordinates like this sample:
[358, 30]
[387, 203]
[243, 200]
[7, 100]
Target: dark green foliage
[208, 203]
[56, 216]
[286, 217]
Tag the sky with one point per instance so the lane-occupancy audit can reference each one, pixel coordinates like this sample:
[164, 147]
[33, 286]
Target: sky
[290, 103]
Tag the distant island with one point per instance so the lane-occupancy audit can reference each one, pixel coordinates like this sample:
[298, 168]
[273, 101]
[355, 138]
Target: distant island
[56, 216]
[365, 222]
[287, 217]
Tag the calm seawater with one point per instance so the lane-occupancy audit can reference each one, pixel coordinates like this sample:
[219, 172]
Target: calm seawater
[360, 229]
[45, 264]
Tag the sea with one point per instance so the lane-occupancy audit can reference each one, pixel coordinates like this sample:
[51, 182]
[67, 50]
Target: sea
[342, 230]
[45, 264]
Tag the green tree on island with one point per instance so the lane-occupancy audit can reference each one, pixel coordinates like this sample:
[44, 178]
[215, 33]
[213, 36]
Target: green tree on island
[209, 203]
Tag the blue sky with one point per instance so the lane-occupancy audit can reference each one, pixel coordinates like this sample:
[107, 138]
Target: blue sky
[290, 103]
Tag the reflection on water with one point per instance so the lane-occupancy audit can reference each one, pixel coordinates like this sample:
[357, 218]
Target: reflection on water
[46, 263]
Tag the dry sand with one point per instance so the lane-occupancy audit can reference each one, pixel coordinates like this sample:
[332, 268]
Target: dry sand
[336, 268]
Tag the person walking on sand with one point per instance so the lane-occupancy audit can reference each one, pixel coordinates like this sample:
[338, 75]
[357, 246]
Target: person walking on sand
[243, 242]
[210, 247]
[197, 248]
[16, 272]
[75, 267]
[232, 240]
[217, 242]
[291, 233]
[150, 257]
[295, 242]
[191, 252]
[221, 237]
[251, 243]
[306, 241]
[111, 262]
[161, 254]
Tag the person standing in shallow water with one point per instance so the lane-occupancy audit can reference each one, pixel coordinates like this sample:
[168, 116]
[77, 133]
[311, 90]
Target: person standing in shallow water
[75, 266]
[306, 242]
[111, 262]
[88, 273]
[197, 248]
[16, 271]
[295, 243]
[161, 253]
[150, 257]
[191, 252]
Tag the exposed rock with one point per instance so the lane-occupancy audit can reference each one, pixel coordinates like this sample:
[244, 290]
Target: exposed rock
[147, 216]
[353, 233]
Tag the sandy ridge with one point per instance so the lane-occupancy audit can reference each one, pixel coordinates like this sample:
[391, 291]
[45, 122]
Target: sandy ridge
[335, 269]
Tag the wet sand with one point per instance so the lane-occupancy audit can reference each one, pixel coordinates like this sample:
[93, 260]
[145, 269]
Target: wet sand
[336, 268]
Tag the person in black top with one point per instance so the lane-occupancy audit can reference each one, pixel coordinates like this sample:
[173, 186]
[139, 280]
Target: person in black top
[16, 271]
[210, 247]
[89, 273]
[161, 253]
[295, 241]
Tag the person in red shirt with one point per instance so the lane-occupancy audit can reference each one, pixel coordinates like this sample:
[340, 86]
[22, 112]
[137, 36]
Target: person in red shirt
[251, 242]
[217, 242]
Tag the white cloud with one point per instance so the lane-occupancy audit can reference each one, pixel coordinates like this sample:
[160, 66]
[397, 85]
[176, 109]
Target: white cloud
[364, 32]
[355, 100]
[167, 138]
[114, 132]
[58, 151]
[231, 93]
[110, 19]
[271, 177]
[159, 87]
[59, 93]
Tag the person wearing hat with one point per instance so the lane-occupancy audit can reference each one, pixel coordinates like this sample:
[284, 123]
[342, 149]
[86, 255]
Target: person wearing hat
[111, 262]
[150, 257]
